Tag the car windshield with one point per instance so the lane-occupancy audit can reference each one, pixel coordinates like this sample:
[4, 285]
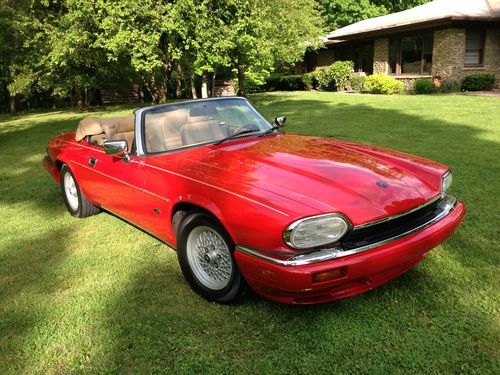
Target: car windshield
[199, 122]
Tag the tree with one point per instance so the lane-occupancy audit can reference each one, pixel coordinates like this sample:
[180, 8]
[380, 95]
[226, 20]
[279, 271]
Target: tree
[340, 13]
[14, 17]
[147, 35]
[256, 35]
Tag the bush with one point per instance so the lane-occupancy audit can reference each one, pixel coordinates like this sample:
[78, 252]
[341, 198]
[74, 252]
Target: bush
[336, 77]
[309, 81]
[383, 84]
[285, 82]
[341, 73]
[423, 86]
[358, 82]
[478, 82]
[324, 79]
[449, 87]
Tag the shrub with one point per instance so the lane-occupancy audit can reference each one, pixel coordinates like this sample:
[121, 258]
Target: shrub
[423, 86]
[324, 79]
[478, 82]
[337, 76]
[449, 87]
[255, 82]
[358, 82]
[341, 72]
[309, 81]
[285, 82]
[383, 84]
[292, 82]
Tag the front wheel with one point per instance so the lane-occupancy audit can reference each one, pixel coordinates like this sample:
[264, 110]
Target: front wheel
[205, 253]
[76, 203]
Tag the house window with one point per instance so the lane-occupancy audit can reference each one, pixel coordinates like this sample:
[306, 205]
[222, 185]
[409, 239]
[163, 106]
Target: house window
[411, 54]
[474, 48]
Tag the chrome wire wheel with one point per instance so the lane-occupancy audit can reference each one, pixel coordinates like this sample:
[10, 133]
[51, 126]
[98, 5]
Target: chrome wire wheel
[209, 258]
[71, 191]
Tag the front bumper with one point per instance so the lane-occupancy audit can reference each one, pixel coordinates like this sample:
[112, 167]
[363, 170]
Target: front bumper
[361, 271]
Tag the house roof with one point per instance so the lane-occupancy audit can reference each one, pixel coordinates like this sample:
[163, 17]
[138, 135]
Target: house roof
[434, 13]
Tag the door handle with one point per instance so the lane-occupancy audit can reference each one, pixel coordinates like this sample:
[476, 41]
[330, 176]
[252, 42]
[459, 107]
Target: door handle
[92, 162]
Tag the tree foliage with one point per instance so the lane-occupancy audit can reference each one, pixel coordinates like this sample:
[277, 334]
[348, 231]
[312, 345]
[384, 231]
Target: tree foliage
[340, 13]
[68, 48]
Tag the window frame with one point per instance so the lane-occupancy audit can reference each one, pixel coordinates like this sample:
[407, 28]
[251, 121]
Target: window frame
[399, 53]
[482, 33]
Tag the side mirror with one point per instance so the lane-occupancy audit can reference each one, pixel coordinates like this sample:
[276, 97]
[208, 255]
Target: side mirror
[280, 121]
[118, 148]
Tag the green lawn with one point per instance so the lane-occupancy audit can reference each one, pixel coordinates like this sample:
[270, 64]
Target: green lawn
[97, 295]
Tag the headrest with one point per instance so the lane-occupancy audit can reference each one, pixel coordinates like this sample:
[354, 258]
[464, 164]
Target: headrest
[88, 126]
[177, 117]
[117, 125]
[203, 110]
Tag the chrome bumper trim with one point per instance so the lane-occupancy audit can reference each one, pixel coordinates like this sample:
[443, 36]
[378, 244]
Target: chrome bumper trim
[448, 205]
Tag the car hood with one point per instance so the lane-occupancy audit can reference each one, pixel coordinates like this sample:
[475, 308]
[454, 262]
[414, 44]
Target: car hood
[362, 182]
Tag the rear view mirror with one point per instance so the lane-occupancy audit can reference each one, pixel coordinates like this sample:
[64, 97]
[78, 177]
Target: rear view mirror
[280, 121]
[118, 148]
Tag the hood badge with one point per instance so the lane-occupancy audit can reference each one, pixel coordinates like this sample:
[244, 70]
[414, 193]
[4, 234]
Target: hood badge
[382, 184]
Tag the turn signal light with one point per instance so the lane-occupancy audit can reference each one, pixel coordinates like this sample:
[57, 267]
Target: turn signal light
[329, 275]
[268, 273]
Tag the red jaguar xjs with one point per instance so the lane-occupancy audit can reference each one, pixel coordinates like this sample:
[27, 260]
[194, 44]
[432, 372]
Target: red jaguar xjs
[298, 219]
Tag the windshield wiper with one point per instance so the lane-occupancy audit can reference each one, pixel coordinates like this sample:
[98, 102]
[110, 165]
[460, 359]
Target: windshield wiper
[243, 130]
[279, 122]
[270, 130]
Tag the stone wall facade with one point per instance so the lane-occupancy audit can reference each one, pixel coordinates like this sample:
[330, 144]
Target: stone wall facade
[449, 54]
[381, 56]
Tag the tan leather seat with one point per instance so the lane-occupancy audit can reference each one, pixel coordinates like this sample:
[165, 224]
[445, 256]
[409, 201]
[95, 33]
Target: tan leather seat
[101, 129]
[88, 126]
[125, 136]
[113, 125]
[98, 139]
[202, 131]
[163, 130]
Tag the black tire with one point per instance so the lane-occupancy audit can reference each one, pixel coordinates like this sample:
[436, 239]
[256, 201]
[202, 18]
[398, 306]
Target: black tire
[76, 203]
[224, 264]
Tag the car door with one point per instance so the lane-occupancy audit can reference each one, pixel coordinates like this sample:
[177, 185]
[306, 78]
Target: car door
[114, 184]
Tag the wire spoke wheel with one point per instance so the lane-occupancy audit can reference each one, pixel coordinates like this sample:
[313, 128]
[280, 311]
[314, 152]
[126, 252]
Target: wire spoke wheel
[209, 258]
[71, 191]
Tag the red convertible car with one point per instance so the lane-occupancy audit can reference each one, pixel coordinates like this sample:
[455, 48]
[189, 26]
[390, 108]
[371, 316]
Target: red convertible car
[299, 219]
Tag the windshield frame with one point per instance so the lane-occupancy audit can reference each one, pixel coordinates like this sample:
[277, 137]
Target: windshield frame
[140, 125]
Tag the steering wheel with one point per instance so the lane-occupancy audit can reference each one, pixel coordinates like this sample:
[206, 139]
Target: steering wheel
[250, 127]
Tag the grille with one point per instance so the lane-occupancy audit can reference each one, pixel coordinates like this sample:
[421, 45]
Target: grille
[385, 230]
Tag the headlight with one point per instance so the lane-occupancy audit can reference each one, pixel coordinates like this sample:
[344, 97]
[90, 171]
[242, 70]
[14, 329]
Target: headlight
[446, 182]
[316, 231]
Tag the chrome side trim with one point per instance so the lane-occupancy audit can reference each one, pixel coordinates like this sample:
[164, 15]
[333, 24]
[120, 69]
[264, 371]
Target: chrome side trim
[389, 218]
[448, 205]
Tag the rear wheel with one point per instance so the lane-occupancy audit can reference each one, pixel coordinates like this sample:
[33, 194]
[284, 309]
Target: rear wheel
[75, 201]
[205, 253]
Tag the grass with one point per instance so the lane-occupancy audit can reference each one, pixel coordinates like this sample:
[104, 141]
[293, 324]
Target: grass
[98, 295]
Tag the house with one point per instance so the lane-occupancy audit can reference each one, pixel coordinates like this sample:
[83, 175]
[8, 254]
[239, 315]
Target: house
[444, 40]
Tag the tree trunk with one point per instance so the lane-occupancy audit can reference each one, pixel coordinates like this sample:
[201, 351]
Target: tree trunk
[178, 81]
[79, 99]
[212, 91]
[241, 80]
[12, 105]
[204, 86]
[193, 87]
